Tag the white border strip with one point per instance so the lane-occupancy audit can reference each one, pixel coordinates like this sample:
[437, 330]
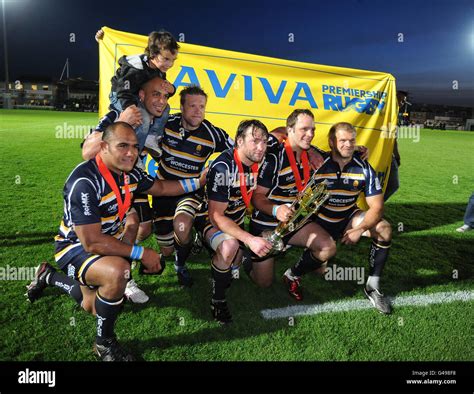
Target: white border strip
[353, 305]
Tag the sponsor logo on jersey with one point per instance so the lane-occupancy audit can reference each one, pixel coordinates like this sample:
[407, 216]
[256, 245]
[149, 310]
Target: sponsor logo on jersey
[171, 142]
[377, 184]
[85, 204]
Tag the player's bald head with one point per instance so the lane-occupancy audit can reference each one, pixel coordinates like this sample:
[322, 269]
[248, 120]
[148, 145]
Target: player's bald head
[117, 129]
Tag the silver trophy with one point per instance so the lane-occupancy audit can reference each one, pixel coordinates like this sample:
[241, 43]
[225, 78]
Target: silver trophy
[306, 203]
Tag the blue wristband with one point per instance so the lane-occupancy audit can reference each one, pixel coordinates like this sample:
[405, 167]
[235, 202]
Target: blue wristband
[274, 210]
[137, 252]
[190, 184]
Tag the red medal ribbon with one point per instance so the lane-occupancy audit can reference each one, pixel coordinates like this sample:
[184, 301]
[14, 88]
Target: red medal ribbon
[304, 160]
[105, 172]
[243, 187]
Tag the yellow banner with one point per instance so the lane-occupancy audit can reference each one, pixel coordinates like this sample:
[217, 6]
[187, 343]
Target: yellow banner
[242, 86]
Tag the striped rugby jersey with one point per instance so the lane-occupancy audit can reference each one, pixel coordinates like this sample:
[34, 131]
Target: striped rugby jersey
[223, 185]
[184, 153]
[345, 186]
[89, 199]
[277, 175]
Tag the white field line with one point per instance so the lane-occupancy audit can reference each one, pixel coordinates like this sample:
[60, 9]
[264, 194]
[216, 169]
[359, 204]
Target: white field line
[353, 305]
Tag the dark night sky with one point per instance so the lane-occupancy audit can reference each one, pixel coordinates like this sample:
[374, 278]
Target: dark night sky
[438, 42]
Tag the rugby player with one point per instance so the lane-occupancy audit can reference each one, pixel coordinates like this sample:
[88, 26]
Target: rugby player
[188, 142]
[232, 178]
[284, 173]
[347, 176]
[153, 96]
[89, 247]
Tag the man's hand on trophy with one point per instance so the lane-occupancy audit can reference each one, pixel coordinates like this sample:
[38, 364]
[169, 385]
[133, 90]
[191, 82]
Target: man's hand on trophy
[259, 246]
[283, 213]
[315, 159]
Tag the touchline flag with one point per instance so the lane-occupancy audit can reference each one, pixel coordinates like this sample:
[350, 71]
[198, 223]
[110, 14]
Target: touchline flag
[243, 86]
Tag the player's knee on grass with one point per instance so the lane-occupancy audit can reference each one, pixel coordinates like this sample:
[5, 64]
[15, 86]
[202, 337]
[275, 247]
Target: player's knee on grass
[263, 283]
[383, 230]
[227, 251]
[262, 273]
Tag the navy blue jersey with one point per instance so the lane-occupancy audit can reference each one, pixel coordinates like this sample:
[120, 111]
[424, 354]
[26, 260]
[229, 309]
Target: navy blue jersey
[184, 153]
[345, 186]
[89, 199]
[223, 185]
[277, 175]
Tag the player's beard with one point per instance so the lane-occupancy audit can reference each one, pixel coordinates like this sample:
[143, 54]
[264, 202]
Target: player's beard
[254, 157]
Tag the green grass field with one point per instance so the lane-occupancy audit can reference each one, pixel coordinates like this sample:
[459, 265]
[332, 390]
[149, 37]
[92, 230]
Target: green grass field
[436, 178]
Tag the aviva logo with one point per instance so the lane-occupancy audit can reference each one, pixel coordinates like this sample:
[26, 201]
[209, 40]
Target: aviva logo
[284, 92]
[221, 85]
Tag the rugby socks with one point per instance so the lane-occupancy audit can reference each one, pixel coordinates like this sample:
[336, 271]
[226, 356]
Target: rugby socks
[373, 282]
[378, 255]
[306, 263]
[182, 253]
[221, 280]
[66, 284]
[107, 311]
[247, 262]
